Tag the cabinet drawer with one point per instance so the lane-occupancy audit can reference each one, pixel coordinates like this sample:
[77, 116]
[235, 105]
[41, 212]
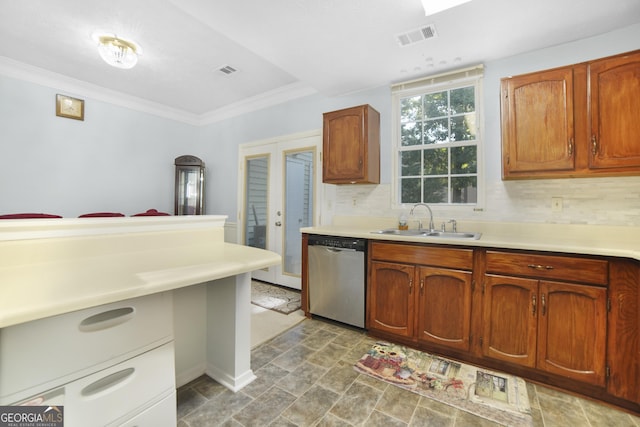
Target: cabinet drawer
[163, 413]
[423, 255]
[51, 351]
[573, 269]
[121, 391]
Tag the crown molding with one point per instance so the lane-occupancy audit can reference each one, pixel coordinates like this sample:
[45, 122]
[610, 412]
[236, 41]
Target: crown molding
[21, 71]
[258, 102]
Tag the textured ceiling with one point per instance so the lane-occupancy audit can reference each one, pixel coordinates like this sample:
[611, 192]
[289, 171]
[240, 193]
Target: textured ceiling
[330, 46]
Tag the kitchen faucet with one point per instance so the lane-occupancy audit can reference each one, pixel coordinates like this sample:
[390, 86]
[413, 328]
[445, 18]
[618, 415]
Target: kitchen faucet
[431, 227]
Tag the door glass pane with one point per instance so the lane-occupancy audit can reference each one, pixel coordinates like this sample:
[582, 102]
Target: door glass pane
[298, 206]
[188, 191]
[256, 201]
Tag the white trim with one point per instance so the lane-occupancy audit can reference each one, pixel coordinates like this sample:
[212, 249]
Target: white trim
[447, 78]
[29, 73]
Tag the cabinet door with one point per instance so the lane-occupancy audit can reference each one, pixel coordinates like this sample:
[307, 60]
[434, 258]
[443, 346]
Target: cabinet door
[615, 103]
[351, 146]
[510, 317]
[537, 122]
[572, 329]
[391, 298]
[444, 307]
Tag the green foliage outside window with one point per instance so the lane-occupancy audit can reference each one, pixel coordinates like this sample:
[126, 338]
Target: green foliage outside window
[438, 155]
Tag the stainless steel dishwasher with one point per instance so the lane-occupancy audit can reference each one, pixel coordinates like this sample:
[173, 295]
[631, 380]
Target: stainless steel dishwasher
[337, 278]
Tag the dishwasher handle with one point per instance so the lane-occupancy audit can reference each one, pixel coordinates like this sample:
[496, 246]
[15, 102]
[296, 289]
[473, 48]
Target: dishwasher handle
[336, 250]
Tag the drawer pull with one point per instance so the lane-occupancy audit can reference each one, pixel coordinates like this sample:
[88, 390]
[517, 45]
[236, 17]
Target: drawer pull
[108, 383]
[540, 267]
[107, 319]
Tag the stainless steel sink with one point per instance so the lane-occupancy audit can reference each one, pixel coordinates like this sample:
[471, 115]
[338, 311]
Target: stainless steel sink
[427, 233]
[454, 235]
[397, 232]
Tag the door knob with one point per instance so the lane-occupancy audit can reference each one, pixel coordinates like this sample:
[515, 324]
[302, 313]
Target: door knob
[278, 223]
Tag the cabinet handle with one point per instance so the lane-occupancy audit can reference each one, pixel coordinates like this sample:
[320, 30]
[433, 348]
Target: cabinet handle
[110, 382]
[410, 285]
[540, 267]
[533, 304]
[570, 146]
[421, 286]
[107, 319]
[544, 305]
[594, 145]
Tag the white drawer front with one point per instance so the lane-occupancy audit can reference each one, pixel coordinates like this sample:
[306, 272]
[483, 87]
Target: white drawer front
[52, 351]
[162, 414]
[122, 390]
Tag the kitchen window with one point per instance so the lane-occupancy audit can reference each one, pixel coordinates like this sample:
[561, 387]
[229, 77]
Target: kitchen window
[437, 139]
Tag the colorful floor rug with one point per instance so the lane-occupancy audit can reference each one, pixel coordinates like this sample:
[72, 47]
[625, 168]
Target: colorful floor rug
[492, 395]
[275, 298]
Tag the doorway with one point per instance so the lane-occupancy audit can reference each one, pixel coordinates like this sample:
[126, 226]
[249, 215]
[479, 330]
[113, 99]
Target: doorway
[278, 196]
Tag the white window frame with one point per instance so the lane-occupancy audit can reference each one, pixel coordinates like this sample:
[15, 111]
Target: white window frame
[451, 80]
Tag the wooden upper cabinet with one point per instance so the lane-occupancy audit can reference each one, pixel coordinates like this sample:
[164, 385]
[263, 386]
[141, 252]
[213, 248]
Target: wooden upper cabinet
[538, 129]
[351, 146]
[574, 121]
[614, 112]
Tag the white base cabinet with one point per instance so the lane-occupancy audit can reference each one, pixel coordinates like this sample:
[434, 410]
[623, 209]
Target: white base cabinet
[107, 365]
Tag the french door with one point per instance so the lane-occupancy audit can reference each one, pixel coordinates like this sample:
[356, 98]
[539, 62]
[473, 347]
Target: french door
[278, 187]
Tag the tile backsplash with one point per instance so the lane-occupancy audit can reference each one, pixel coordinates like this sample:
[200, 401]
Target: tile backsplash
[603, 201]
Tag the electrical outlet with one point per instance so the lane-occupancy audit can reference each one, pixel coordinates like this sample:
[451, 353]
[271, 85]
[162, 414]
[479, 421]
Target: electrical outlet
[556, 204]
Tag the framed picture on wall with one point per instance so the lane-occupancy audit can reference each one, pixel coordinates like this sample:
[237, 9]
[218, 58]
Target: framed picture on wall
[71, 108]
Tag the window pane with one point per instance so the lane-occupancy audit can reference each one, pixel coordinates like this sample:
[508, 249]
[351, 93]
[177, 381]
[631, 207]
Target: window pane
[411, 133]
[463, 100]
[436, 162]
[464, 159]
[438, 123]
[435, 190]
[411, 109]
[256, 202]
[464, 189]
[410, 163]
[436, 131]
[436, 104]
[410, 190]
[463, 128]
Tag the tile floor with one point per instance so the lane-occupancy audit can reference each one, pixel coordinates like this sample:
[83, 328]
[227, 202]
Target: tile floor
[305, 378]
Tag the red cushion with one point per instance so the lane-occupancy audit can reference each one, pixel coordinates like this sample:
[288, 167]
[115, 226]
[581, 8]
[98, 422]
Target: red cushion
[151, 212]
[28, 215]
[100, 214]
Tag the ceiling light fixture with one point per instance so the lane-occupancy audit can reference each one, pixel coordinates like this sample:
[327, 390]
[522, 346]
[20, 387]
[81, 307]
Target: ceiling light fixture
[431, 7]
[117, 52]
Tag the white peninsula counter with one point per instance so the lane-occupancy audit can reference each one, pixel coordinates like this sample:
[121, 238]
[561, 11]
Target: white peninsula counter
[67, 286]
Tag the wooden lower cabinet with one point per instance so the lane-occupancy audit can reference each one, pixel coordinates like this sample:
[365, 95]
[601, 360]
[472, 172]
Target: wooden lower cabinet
[391, 298]
[554, 327]
[510, 319]
[444, 307]
[420, 302]
[569, 321]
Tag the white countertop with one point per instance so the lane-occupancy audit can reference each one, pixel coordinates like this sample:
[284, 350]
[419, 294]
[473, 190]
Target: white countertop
[49, 268]
[565, 238]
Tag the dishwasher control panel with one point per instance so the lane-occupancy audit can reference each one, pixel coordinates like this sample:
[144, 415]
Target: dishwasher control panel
[338, 242]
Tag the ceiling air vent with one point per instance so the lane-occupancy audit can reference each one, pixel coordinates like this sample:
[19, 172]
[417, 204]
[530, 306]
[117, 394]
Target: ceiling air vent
[227, 70]
[417, 35]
